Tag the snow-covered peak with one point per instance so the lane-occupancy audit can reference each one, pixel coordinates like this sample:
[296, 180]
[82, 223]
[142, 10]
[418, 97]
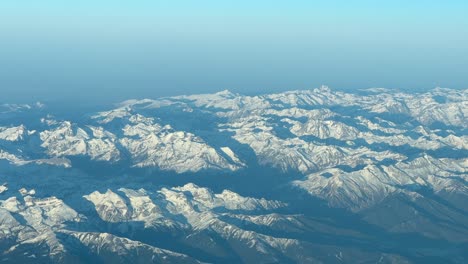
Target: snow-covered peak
[153, 145]
[153, 207]
[3, 188]
[204, 199]
[110, 206]
[109, 116]
[67, 139]
[105, 244]
[366, 187]
[13, 133]
[11, 108]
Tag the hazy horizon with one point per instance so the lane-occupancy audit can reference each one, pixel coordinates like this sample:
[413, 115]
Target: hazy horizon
[112, 50]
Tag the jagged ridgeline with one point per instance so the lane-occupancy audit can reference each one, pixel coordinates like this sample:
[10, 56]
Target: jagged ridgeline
[314, 176]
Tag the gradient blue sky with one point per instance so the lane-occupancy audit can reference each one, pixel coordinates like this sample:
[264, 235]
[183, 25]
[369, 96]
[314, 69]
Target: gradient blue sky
[114, 50]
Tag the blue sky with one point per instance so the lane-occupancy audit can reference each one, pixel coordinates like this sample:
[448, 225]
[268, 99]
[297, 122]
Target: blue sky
[113, 50]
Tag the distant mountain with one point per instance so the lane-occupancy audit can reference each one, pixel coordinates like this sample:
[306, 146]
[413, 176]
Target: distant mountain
[315, 176]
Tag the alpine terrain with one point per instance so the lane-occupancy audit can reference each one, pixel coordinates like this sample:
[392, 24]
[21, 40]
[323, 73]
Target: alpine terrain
[312, 176]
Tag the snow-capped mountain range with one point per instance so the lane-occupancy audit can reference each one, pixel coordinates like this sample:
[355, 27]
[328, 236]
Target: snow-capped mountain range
[375, 175]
